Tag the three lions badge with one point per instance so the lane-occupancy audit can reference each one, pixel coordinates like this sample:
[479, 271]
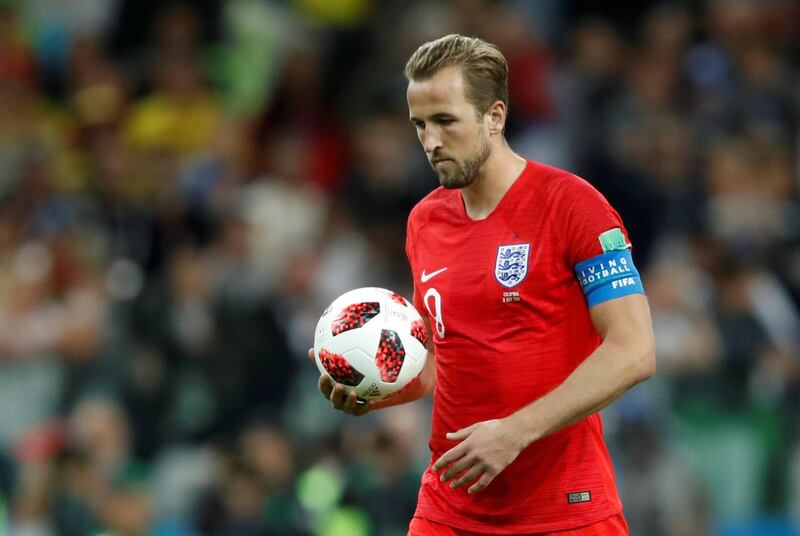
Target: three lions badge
[511, 265]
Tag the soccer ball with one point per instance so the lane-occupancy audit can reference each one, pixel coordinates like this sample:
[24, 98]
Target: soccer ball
[371, 340]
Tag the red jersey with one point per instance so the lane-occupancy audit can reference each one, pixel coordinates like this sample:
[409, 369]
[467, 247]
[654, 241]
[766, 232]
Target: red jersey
[510, 323]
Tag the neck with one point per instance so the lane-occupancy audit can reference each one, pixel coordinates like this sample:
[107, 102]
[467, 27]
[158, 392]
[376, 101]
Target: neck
[495, 177]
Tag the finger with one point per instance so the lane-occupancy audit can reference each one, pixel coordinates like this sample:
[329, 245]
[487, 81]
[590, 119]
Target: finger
[350, 402]
[474, 472]
[311, 355]
[449, 457]
[457, 468]
[353, 405]
[461, 434]
[481, 484]
[325, 385]
[337, 397]
[363, 409]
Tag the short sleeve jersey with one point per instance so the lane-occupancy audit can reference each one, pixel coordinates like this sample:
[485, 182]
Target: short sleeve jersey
[510, 322]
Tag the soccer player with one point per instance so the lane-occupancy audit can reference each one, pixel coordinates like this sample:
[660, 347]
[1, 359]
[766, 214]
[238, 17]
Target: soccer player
[536, 310]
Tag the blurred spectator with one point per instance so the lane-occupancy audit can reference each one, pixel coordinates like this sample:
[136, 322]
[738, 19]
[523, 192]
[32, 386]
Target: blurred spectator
[181, 115]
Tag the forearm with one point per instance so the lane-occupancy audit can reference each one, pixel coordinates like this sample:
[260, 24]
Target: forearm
[611, 370]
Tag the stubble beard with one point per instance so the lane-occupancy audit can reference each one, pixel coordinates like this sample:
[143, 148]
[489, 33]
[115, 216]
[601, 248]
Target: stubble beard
[464, 174]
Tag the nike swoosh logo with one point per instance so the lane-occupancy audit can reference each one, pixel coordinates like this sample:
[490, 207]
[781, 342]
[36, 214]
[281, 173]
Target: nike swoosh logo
[427, 277]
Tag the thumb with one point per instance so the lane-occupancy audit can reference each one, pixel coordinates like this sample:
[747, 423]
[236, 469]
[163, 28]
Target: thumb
[461, 434]
[311, 354]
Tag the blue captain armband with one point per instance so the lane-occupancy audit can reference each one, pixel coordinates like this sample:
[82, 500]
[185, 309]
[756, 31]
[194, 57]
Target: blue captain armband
[608, 276]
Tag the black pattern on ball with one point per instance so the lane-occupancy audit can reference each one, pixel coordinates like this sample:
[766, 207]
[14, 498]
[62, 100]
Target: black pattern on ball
[419, 332]
[354, 316]
[339, 369]
[397, 298]
[390, 356]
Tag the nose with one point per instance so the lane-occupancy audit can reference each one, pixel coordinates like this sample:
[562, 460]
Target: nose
[430, 140]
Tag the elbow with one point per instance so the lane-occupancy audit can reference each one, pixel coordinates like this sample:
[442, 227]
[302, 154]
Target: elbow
[645, 363]
[428, 375]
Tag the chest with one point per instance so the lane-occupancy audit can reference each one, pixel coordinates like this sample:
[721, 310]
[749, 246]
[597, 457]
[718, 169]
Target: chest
[489, 276]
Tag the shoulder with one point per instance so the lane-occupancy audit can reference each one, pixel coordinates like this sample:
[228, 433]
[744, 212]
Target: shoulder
[561, 184]
[434, 202]
[567, 193]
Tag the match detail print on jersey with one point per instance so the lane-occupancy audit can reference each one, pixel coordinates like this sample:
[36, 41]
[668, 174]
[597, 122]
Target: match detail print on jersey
[608, 276]
[511, 265]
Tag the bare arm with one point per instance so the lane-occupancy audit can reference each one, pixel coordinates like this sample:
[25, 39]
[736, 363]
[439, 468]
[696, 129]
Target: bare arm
[624, 358]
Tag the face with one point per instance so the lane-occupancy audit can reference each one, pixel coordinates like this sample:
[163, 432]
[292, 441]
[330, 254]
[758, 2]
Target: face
[455, 139]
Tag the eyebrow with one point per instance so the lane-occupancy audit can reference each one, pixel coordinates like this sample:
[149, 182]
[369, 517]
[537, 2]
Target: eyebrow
[434, 117]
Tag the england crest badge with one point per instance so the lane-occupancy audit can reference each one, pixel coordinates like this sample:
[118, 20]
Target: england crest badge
[511, 265]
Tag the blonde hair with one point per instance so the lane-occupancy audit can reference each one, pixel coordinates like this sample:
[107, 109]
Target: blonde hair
[482, 64]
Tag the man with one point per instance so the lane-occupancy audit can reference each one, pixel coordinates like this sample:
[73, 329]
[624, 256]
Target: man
[537, 315]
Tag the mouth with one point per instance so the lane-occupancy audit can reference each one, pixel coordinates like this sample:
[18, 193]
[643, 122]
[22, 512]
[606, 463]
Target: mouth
[440, 160]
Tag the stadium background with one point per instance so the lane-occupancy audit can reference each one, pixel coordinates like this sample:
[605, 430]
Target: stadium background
[184, 186]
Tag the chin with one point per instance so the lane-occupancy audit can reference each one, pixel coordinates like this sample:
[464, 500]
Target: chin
[450, 183]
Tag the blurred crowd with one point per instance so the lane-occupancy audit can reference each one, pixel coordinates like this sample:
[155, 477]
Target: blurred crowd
[184, 186]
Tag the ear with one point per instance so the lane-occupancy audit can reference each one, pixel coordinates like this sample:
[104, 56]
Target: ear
[497, 117]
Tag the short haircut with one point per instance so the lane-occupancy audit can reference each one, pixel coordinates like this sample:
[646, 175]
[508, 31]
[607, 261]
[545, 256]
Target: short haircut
[482, 64]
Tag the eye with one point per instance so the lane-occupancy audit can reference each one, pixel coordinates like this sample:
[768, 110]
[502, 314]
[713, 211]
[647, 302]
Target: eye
[446, 121]
[419, 125]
